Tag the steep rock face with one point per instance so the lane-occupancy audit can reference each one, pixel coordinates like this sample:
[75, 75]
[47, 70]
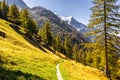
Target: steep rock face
[58, 26]
[20, 3]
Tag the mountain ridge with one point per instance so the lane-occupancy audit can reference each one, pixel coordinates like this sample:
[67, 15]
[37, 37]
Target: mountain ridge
[80, 27]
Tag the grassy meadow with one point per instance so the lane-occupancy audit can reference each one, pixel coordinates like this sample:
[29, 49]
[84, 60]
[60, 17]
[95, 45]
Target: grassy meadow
[20, 60]
[76, 71]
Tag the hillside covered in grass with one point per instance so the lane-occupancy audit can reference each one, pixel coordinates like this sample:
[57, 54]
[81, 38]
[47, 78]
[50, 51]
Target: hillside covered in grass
[76, 71]
[20, 60]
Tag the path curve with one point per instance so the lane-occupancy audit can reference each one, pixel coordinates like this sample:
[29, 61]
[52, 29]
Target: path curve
[59, 76]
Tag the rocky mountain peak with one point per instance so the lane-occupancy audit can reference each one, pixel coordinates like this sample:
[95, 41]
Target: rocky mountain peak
[76, 24]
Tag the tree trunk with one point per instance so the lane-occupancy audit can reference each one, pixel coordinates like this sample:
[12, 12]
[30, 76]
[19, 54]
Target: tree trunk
[105, 34]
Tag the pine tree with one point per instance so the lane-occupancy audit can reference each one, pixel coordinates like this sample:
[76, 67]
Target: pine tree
[0, 10]
[47, 35]
[40, 32]
[13, 14]
[58, 43]
[104, 25]
[31, 27]
[75, 51]
[68, 47]
[24, 17]
[4, 9]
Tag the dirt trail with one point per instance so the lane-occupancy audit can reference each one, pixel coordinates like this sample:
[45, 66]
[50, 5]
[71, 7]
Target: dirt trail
[59, 76]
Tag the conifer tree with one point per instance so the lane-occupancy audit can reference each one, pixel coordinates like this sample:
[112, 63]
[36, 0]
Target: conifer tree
[4, 9]
[75, 51]
[58, 43]
[68, 47]
[31, 27]
[0, 10]
[24, 17]
[104, 25]
[47, 35]
[13, 14]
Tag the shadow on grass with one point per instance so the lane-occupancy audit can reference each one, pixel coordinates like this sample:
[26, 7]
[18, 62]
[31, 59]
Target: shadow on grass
[17, 75]
[33, 42]
[27, 37]
[16, 28]
[48, 47]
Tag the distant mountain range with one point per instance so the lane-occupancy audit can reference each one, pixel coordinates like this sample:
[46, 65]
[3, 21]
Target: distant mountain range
[59, 25]
[73, 22]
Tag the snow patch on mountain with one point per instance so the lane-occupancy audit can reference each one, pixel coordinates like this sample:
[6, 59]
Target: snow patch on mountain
[68, 19]
[118, 35]
[73, 22]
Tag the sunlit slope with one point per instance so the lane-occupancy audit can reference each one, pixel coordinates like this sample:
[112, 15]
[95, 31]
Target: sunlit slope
[76, 71]
[20, 60]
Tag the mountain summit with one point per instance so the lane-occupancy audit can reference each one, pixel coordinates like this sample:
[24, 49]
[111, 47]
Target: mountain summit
[19, 3]
[73, 22]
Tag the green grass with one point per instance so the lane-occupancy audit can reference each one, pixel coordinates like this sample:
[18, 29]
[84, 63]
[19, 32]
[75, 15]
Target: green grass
[20, 60]
[76, 71]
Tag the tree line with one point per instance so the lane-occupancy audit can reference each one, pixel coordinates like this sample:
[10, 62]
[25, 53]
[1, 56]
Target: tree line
[19, 17]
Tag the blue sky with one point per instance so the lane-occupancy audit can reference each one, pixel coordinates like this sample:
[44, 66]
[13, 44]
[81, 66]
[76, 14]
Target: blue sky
[79, 9]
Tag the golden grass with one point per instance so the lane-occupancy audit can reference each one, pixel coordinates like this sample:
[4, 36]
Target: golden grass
[76, 71]
[17, 54]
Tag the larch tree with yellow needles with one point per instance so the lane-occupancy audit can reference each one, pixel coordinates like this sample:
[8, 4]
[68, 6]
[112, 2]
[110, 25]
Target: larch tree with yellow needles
[104, 26]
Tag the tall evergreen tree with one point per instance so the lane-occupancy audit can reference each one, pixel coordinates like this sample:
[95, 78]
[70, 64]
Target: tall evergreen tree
[58, 43]
[31, 27]
[104, 25]
[68, 47]
[4, 9]
[0, 10]
[13, 14]
[47, 35]
[75, 52]
[24, 17]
